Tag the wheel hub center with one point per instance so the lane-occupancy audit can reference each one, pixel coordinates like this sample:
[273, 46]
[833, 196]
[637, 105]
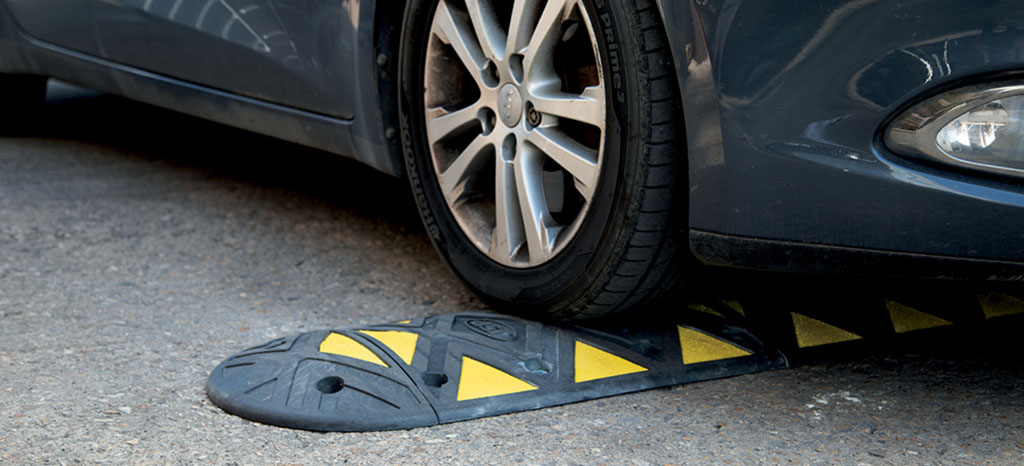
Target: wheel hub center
[510, 105]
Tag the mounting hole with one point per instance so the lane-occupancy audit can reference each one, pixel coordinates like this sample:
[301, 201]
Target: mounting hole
[648, 349]
[328, 385]
[434, 379]
[537, 366]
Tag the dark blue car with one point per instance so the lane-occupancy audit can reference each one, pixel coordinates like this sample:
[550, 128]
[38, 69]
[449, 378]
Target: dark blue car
[579, 157]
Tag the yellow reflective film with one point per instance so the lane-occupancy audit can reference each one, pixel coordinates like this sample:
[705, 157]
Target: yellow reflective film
[999, 305]
[478, 380]
[736, 306]
[907, 319]
[345, 346]
[813, 332]
[706, 310]
[700, 347]
[592, 364]
[402, 343]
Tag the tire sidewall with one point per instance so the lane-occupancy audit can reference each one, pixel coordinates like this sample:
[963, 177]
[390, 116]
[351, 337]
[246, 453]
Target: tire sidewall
[579, 270]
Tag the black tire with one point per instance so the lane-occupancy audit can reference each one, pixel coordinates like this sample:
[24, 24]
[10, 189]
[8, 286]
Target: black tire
[630, 248]
[23, 97]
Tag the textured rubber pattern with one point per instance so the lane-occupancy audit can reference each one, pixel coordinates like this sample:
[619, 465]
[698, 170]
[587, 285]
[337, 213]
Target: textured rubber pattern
[631, 248]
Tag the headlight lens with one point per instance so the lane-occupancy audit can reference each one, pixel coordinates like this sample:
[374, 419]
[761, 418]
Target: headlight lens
[978, 127]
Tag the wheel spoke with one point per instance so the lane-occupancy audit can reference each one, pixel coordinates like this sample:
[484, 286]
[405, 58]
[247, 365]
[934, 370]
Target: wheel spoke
[488, 32]
[579, 160]
[546, 169]
[508, 234]
[441, 123]
[459, 36]
[524, 17]
[545, 34]
[586, 108]
[539, 228]
[467, 163]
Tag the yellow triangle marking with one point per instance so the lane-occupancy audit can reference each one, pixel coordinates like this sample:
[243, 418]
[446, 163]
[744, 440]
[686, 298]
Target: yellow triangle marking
[813, 332]
[700, 347]
[345, 346]
[478, 380]
[735, 305]
[402, 343]
[402, 322]
[592, 364]
[706, 310]
[1000, 305]
[907, 319]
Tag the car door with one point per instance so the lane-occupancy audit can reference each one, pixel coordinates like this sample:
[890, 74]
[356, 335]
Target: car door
[296, 53]
[61, 22]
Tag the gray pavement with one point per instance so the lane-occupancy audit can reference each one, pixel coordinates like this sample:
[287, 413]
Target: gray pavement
[139, 248]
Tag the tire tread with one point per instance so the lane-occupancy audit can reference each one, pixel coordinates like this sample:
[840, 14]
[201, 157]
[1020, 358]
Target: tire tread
[651, 264]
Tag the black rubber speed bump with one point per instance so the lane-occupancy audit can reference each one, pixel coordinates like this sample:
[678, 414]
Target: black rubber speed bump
[469, 365]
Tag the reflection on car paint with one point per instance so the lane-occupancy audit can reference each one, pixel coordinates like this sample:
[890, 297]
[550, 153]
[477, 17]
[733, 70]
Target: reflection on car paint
[254, 25]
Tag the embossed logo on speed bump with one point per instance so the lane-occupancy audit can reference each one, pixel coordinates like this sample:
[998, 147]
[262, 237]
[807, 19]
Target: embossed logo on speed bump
[813, 332]
[478, 380]
[402, 343]
[339, 344]
[592, 364]
[907, 319]
[700, 347]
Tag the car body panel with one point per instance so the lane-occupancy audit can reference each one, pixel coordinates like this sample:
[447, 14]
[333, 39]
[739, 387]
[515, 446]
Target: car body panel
[72, 28]
[291, 52]
[802, 92]
[361, 138]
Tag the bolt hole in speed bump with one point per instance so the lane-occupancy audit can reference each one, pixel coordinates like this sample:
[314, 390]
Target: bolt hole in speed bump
[455, 367]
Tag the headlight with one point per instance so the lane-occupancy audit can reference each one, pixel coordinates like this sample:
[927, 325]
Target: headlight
[979, 127]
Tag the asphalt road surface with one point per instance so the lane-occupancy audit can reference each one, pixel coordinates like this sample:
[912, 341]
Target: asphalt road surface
[139, 248]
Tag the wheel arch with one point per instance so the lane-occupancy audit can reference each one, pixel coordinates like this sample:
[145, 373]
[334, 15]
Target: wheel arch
[701, 116]
[375, 128]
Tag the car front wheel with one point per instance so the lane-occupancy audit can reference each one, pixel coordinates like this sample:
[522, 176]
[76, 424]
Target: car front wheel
[543, 142]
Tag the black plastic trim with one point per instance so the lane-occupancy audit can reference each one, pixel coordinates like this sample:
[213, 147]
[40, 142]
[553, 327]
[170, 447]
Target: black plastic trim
[718, 249]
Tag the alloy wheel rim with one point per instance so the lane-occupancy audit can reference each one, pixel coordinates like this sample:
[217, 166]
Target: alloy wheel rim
[515, 118]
